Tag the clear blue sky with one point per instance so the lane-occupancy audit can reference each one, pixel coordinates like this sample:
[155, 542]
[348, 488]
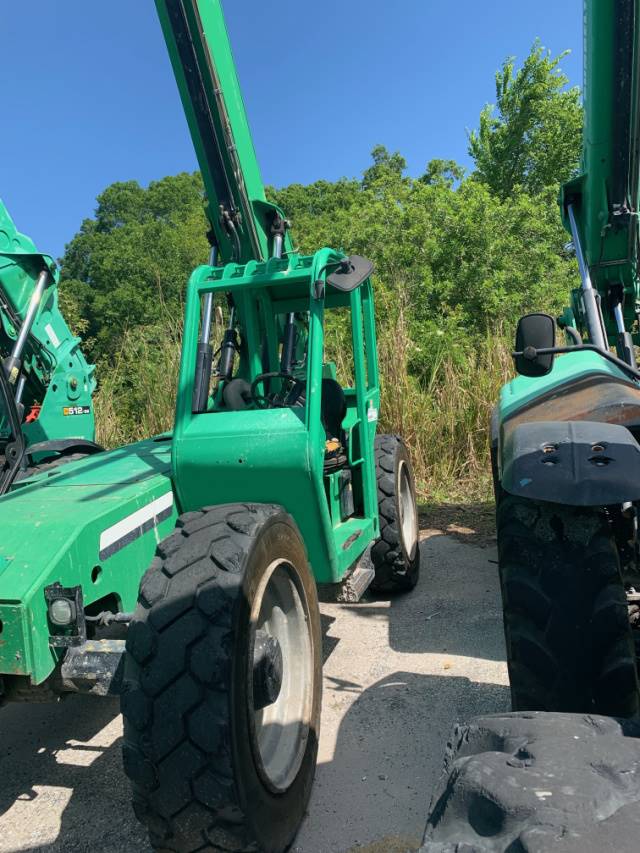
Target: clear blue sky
[88, 95]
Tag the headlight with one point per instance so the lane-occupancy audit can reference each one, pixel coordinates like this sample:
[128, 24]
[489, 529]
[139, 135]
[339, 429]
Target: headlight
[62, 611]
[65, 609]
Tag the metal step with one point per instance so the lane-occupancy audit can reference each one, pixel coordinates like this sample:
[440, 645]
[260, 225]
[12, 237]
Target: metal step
[354, 584]
[95, 667]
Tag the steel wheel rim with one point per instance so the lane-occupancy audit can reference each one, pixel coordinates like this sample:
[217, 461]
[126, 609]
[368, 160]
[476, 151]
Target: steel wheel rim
[407, 507]
[280, 731]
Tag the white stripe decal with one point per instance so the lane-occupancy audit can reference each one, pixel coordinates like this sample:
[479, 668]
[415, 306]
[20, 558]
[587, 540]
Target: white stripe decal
[55, 340]
[134, 525]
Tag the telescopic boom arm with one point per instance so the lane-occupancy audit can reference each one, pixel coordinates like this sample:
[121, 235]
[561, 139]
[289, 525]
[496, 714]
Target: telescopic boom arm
[244, 225]
[600, 207]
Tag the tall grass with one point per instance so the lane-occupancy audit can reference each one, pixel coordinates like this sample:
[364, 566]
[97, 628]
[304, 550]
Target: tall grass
[444, 419]
[136, 395]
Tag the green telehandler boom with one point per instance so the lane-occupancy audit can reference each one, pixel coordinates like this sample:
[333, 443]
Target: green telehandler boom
[600, 206]
[50, 379]
[245, 226]
[565, 433]
[207, 544]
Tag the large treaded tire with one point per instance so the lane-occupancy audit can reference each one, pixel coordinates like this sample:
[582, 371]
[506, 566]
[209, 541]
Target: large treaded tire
[187, 728]
[51, 464]
[541, 783]
[397, 567]
[567, 631]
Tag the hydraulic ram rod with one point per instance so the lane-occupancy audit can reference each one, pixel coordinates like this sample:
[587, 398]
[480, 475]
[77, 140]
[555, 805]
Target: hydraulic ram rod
[12, 364]
[591, 307]
[204, 357]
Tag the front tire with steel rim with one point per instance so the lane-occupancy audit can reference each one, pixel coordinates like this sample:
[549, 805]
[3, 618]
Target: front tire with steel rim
[281, 693]
[396, 555]
[223, 684]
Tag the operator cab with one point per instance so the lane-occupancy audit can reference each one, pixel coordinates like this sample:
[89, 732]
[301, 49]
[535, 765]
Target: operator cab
[283, 382]
[261, 349]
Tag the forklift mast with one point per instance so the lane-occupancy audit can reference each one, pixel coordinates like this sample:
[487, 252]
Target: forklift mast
[244, 225]
[600, 207]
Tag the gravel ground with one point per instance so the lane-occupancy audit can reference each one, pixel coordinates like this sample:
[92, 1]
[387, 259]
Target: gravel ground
[397, 675]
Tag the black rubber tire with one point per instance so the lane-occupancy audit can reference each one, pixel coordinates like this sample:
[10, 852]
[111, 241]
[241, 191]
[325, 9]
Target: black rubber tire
[187, 745]
[567, 631]
[396, 569]
[540, 783]
[51, 464]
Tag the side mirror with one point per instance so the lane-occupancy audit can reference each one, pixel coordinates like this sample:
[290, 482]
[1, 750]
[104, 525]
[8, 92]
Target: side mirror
[351, 273]
[535, 332]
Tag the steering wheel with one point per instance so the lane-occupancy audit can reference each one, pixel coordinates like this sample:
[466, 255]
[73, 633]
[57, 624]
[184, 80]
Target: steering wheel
[276, 400]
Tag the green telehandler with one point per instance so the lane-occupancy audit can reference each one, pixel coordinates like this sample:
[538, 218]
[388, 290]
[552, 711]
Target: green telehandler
[565, 432]
[558, 774]
[208, 543]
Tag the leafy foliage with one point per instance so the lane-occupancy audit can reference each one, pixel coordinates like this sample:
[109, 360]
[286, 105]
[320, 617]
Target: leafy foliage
[463, 257]
[534, 140]
[442, 173]
[128, 266]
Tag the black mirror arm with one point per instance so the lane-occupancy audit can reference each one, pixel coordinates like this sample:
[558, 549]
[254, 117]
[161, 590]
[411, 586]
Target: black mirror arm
[531, 353]
[318, 284]
[574, 334]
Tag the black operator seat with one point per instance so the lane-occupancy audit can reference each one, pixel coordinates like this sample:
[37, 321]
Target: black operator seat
[333, 408]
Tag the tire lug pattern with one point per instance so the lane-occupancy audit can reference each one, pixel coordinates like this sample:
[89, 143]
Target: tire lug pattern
[537, 782]
[177, 734]
[394, 573]
[568, 637]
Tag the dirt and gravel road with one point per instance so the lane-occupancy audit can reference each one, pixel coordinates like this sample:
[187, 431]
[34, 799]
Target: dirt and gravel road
[397, 675]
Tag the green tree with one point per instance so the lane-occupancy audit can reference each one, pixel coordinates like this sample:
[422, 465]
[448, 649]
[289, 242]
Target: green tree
[532, 136]
[442, 173]
[386, 167]
[128, 266]
[315, 210]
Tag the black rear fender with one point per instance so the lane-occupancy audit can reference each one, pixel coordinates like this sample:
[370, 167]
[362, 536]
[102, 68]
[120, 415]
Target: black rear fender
[580, 463]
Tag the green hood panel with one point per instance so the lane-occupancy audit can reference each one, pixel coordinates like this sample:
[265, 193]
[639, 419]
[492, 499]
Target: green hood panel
[93, 523]
[523, 389]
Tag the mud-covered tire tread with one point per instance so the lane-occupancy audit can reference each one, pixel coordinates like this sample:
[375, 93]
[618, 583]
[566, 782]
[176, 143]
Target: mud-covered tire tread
[569, 642]
[163, 695]
[393, 571]
[558, 783]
